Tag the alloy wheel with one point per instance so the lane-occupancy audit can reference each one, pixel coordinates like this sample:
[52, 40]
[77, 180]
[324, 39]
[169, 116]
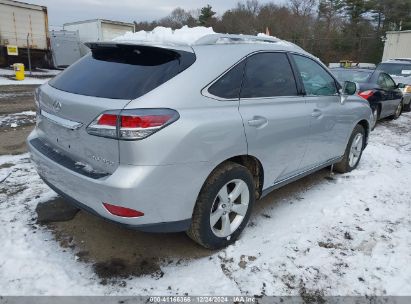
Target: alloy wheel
[229, 208]
[355, 150]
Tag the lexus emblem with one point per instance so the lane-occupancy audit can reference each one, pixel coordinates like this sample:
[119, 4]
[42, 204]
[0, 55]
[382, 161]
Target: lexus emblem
[56, 106]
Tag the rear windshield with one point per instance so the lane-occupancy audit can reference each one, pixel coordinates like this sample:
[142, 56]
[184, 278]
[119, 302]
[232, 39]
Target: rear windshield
[352, 75]
[122, 71]
[396, 69]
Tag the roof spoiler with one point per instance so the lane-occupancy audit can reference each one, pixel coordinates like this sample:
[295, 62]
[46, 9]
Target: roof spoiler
[114, 44]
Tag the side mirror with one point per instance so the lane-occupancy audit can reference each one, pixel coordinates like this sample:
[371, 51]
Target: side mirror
[349, 88]
[401, 85]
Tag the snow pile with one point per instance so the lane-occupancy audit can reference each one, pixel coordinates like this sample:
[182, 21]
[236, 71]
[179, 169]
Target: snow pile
[185, 35]
[36, 72]
[29, 254]
[15, 120]
[27, 80]
[37, 77]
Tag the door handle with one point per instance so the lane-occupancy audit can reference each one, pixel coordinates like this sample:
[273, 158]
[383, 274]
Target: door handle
[316, 113]
[257, 121]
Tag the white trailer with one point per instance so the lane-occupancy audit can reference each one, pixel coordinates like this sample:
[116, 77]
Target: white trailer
[397, 45]
[65, 47]
[98, 30]
[23, 25]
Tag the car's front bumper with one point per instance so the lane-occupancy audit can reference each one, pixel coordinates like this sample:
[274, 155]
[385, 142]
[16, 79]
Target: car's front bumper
[165, 194]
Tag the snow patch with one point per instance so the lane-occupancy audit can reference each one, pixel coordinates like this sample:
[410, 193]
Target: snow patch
[165, 35]
[188, 36]
[15, 120]
[27, 80]
[37, 72]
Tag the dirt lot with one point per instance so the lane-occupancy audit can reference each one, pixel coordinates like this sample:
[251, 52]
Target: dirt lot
[15, 99]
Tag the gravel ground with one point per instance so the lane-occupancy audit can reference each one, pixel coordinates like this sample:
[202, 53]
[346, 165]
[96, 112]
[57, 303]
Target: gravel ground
[16, 117]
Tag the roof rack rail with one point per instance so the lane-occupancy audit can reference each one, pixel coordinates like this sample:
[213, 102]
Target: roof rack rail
[232, 39]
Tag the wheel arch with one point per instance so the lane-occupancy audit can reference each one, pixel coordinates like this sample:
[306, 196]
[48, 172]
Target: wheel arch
[365, 124]
[253, 164]
[256, 169]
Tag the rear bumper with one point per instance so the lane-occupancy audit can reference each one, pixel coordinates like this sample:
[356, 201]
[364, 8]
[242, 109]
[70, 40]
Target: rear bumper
[166, 194]
[406, 99]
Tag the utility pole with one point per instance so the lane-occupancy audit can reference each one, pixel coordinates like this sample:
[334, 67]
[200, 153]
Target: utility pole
[28, 52]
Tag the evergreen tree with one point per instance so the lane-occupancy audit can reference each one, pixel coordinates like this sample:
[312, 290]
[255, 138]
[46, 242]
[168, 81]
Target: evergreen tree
[206, 16]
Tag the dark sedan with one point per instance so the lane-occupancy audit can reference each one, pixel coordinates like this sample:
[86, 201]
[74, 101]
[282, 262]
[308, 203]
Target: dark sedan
[378, 88]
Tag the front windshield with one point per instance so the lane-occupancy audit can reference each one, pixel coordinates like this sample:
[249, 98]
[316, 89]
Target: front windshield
[397, 69]
[352, 75]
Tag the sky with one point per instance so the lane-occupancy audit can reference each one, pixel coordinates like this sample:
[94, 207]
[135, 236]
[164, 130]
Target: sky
[63, 11]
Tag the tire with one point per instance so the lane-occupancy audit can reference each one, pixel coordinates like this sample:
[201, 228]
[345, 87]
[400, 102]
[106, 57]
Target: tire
[407, 107]
[354, 148]
[397, 112]
[375, 114]
[209, 202]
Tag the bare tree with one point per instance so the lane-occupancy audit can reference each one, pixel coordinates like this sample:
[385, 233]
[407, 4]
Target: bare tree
[177, 18]
[302, 7]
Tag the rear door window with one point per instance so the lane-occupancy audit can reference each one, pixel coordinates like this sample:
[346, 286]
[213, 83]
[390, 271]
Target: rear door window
[317, 81]
[268, 75]
[122, 71]
[381, 81]
[385, 81]
[389, 82]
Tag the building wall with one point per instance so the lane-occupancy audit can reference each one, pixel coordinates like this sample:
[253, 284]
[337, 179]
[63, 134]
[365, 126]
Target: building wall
[97, 30]
[88, 31]
[65, 47]
[110, 31]
[17, 20]
[397, 45]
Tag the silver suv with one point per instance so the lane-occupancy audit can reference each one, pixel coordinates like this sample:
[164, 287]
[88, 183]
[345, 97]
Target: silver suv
[187, 138]
[400, 71]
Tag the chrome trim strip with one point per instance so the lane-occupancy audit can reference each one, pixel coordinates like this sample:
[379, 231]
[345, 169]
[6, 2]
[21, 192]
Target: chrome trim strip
[299, 175]
[308, 170]
[66, 123]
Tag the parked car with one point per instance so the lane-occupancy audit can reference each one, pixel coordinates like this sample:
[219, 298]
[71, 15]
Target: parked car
[186, 138]
[400, 71]
[378, 88]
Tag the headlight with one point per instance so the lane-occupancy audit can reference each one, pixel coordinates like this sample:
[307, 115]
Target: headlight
[407, 89]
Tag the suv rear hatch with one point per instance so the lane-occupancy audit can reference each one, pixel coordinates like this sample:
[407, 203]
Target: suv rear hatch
[106, 79]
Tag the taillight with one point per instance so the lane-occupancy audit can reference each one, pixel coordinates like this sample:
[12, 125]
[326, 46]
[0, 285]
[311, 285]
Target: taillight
[122, 211]
[131, 124]
[366, 94]
[107, 120]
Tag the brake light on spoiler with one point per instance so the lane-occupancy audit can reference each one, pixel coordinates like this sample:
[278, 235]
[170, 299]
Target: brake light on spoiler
[132, 124]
